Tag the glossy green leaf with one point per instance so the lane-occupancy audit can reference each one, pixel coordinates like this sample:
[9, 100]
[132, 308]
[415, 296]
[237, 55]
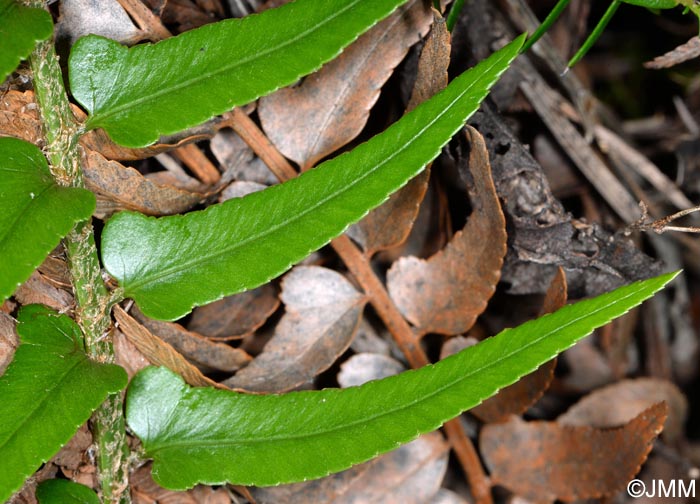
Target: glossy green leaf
[202, 435]
[58, 491]
[36, 213]
[170, 264]
[149, 90]
[48, 391]
[20, 29]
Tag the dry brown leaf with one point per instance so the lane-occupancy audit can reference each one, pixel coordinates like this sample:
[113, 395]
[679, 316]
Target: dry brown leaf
[363, 367]
[544, 461]
[106, 18]
[127, 355]
[235, 316]
[146, 491]
[157, 351]
[118, 187]
[9, 341]
[19, 118]
[518, 397]
[390, 224]
[447, 292]
[39, 290]
[238, 159]
[323, 311]
[588, 369]
[55, 270]
[367, 340]
[197, 349]
[620, 402]
[412, 474]
[330, 108]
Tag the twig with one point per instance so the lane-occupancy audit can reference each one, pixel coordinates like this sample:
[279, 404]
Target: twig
[358, 264]
[660, 226]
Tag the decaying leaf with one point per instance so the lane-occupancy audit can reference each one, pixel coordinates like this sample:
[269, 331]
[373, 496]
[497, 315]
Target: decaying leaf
[323, 311]
[389, 225]
[38, 290]
[445, 293]
[544, 461]
[620, 402]
[106, 18]
[235, 316]
[19, 118]
[157, 351]
[515, 399]
[146, 491]
[118, 187]
[201, 352]
[412, 474]
[8, 340]
[363, 367]
[238, 159]
[330, 107]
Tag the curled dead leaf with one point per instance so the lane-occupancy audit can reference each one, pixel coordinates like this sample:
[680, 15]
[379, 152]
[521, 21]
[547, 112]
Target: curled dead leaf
[446, 293]
[118, 187]
[157, 351]
[201, 352]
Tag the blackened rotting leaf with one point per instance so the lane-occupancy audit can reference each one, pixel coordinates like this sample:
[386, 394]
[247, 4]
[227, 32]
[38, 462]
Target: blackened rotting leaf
[541, 235]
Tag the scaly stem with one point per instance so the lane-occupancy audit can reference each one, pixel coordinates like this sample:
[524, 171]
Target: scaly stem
[93, 303]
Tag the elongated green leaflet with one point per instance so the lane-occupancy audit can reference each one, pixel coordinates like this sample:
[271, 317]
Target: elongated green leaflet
[57, 491]
[197, 435]
[35, 214]
[20, 29]
[138, 94]
[48, 391]
[170, 264]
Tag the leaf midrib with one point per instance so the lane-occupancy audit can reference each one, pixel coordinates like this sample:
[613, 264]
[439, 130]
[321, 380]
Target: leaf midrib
[138, 102]
[439, 390]
[197, 260]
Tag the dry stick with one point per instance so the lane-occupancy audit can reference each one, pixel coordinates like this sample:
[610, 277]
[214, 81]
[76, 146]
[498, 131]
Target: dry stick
[196, 161]
[358, 264]
[147, 21]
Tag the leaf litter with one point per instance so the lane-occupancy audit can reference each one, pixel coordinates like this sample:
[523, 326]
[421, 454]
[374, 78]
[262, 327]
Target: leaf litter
[542, 236]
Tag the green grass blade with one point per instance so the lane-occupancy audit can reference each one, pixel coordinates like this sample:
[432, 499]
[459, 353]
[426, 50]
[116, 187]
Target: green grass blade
[138, 94]
[48, 391]
[35, 214]
[20, 29]
[170, 264]
[596, 33]
[546, 24]
[199, 435]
